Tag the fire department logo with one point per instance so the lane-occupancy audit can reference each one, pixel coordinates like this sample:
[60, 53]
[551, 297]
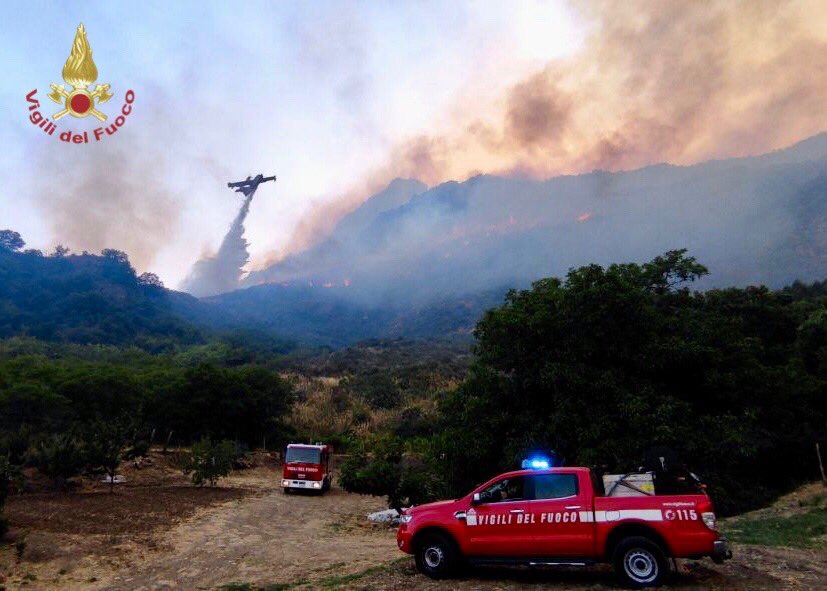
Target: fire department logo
[80, 99]
[80, 72]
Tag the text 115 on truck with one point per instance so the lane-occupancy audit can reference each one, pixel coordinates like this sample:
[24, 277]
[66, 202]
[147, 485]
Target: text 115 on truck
[562, 516]
[306, 467]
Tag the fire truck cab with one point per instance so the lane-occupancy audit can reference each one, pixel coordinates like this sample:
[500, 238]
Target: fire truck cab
[562, 516]
[306, 467]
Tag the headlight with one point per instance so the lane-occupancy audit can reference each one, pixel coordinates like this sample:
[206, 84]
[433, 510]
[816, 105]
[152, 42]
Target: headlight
[285, 483]
[709, 520]
[317, 485]
[405, 518]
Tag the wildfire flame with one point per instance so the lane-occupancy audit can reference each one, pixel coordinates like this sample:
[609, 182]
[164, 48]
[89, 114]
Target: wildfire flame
[80, 70]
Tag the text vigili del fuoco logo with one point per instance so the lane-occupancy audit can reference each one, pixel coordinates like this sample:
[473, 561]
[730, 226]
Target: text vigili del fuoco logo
[79, 100]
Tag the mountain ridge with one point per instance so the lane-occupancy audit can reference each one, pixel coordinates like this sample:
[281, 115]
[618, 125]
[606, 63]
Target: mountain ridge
[491, 230]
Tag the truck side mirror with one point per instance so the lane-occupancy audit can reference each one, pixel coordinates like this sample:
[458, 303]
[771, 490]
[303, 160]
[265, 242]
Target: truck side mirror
[476, 499]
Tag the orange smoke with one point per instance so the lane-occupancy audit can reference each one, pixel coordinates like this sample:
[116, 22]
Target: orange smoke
[656, 81]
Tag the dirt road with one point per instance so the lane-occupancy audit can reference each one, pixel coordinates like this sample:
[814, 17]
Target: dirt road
[274, 538]
[165, 534]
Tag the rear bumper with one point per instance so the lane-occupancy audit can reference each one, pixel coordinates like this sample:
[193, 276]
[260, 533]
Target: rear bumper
[721, 551]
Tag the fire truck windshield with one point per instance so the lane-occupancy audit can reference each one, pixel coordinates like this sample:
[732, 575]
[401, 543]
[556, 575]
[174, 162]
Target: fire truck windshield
[304, 455]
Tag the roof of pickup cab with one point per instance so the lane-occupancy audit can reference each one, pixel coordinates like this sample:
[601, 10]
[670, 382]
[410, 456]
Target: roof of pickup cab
[558, 470]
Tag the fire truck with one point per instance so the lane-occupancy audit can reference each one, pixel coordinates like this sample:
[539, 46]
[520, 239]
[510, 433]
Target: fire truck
[562, 516]
[306, 467]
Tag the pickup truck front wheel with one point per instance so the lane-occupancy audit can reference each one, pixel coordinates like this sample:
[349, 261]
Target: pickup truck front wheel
[436, 556]
[639, 562]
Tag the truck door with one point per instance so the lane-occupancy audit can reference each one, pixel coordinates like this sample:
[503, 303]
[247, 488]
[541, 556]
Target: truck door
[560, 522]
[495, 526]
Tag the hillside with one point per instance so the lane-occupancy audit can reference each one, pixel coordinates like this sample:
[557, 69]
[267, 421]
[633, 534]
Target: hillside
[88, 299]
[330, 317]
[422, 263]
[755, 220]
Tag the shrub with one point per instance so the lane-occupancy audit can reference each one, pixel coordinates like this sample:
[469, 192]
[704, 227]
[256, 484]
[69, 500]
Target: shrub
[59, 457]
[5, 478]
[139, 449]
[380, 468]
[210, 460]
[103, 444]
[377, 388]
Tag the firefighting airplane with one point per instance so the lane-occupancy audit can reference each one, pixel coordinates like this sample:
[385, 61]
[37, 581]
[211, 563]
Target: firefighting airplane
[248, 187]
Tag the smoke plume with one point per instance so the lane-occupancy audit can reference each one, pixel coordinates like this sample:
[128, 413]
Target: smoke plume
[656, 81]
[221, 273]
[109, 197]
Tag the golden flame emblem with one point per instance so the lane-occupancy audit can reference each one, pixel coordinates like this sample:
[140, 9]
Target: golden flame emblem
[79, 72]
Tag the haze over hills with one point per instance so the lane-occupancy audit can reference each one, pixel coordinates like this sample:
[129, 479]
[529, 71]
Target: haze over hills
[754, 220]
[418, 262]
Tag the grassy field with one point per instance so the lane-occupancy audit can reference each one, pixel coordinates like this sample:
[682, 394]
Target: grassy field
[797, 523]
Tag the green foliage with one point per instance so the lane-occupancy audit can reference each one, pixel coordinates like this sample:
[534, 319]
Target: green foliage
[244, 404]
[8, 473]
[47, 390]
[812, 342]
[210, 460]
[377, 388]
[86, 299]
[610, 362]
[104, 442]
[59, 457]
[379, 467]
[11, 240]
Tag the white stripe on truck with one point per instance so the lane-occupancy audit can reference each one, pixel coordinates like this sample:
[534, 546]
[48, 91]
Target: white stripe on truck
[609, 516]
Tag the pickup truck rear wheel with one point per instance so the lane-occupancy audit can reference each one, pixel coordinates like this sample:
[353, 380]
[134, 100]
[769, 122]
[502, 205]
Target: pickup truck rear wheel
[640, 562]
[436, 556]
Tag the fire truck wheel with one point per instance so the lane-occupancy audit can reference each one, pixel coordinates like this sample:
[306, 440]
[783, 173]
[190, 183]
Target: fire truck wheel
[436, 556]
[640, 562]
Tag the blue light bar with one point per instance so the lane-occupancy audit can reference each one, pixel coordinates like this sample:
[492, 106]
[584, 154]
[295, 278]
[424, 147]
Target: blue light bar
[536, 463]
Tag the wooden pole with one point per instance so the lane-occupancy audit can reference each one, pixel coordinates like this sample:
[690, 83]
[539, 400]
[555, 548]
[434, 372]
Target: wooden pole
[821, 465]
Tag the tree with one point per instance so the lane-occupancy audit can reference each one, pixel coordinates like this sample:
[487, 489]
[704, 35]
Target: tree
[59, 457]
[8, 474]
[103, 446]
[60, 251]
[11, 240]
[610, 362]
[377, 388]
[379, 467]
[812, 342]
[150, 279]
[244, 404]
[115, 255]
[210, 460]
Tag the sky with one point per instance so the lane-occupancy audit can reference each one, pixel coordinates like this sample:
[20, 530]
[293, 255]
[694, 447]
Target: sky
[338, 98]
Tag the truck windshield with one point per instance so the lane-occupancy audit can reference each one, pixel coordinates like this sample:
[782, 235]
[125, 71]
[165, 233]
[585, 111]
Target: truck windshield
[304, 455]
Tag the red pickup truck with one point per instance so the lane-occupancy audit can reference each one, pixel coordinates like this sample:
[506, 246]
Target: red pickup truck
[561, 516]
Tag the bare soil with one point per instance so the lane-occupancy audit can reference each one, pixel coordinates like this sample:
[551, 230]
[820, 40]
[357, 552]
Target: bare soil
[158, 532]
